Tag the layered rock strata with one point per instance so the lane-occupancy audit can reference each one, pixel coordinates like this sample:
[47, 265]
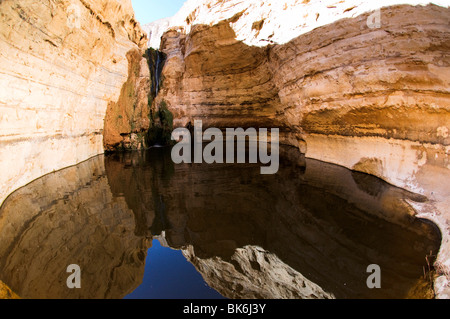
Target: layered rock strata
[61, 63]
[370, 97]
[343, 87]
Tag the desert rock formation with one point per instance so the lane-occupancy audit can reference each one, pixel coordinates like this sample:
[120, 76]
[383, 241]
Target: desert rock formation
[343, 87]
[372, 98]
[62, 62]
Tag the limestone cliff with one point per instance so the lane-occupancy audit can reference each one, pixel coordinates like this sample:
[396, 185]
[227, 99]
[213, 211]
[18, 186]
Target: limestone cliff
[61, 63]
[365, 89]
[127, 119]
[254, 273]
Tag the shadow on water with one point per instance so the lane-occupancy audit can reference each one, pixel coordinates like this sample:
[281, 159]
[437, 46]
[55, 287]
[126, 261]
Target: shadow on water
[309, 231]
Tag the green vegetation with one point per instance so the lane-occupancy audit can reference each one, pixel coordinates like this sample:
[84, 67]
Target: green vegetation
[161, 119]
[161, 126]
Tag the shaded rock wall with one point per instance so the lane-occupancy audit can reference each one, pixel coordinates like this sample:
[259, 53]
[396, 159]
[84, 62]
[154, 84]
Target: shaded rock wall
[62, 62]
[372, 99]
[263, 22]
[128, 119]
[211, 76]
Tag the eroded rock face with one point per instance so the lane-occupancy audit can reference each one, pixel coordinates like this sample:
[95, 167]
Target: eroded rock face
[264, 22]
[344, 80]
[128, 119]
[61, 64]
[211, 76]
[370, 98]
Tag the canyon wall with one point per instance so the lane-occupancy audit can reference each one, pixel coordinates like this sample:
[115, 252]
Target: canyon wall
[345, 84]
[377, 101]
[61, 63]
[364, 89]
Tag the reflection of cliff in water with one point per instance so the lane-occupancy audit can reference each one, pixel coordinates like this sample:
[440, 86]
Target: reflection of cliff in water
[309, 231]
[70, 217]
[322, 221]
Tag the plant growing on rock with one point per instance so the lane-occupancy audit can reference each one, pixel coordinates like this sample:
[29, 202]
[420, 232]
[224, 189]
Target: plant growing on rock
[161, 126]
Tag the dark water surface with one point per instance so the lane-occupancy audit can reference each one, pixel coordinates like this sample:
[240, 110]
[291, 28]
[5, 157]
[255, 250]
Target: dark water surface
[140, 226]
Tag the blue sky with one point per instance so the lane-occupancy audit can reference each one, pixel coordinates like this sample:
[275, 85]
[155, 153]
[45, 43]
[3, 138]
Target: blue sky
[147, 11]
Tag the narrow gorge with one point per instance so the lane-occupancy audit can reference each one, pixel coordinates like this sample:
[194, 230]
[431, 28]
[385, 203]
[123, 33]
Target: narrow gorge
[358, 89]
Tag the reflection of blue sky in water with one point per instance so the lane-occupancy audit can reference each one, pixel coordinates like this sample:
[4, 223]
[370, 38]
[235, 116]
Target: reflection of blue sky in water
[168, 275]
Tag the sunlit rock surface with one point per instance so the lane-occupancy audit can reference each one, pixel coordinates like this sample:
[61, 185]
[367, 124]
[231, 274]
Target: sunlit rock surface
[372, 98]
[155, 30]
[254, 273]
[61, 63]
[263, 22]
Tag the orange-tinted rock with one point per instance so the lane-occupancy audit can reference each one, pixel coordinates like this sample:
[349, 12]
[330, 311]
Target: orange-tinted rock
[60, 66]
[373, 99]
[127, 120]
